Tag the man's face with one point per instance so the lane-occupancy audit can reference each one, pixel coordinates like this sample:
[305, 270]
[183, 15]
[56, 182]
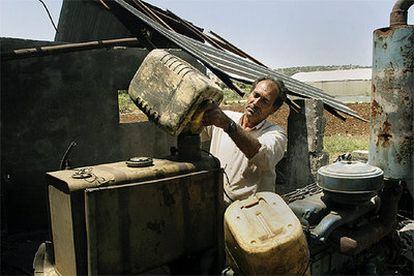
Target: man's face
[260, 101]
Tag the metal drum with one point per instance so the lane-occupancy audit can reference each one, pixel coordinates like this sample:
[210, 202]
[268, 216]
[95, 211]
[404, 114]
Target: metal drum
[391, 140]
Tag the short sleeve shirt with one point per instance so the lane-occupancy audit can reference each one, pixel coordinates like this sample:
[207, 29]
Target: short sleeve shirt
[244, 177]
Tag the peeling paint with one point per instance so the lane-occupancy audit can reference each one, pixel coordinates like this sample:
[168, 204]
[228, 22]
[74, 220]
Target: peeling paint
[384, 134]
[392, 136]
[375, 109]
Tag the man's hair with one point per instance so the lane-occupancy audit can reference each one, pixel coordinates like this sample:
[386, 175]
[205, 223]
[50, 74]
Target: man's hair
[281, 97]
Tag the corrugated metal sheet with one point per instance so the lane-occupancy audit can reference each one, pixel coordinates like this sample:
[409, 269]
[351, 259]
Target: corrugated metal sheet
[228, 66]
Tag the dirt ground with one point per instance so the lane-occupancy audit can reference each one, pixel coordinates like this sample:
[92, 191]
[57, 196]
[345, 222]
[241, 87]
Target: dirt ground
[334, 125]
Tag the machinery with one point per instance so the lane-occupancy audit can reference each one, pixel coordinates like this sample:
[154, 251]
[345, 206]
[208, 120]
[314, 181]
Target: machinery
[358, 217]
[165, 216]
[350, 219]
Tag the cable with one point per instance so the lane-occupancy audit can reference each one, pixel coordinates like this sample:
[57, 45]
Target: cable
[48, 13]
[227, 177]
[64, 162]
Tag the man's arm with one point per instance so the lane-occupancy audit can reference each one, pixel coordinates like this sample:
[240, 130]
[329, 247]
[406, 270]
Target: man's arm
[248, 144]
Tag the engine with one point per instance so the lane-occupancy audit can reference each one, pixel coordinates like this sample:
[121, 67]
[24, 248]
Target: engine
[350, 218]
[358, 217]
[353, 227]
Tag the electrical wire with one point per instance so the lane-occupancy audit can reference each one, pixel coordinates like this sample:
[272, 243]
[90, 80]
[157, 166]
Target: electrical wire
[225, 174]
[50, 16]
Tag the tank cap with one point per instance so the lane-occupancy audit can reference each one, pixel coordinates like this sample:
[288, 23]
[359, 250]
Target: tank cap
[82, 173]
[138, 162]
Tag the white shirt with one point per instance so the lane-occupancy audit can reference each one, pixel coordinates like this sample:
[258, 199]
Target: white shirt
[244, 177]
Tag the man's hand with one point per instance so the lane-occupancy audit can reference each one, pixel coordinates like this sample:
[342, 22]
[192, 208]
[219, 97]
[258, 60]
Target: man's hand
[213, 115]
[248, 144]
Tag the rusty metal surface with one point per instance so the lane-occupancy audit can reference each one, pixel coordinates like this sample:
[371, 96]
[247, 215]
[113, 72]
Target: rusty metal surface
[68, 48]
[228, 66]
[341, 216]
[399, 12]
[119, 173]
[140, 226]
[62, 232]
[172, 208]
[148, 11]
[391, 143]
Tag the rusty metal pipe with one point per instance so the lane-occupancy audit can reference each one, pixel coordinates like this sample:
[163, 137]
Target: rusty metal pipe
[366, 236]
[67, 48]
[399, 12]
[391, 143]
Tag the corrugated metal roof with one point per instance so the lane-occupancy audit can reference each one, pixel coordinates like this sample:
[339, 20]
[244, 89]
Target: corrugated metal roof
[335, 75]
[226, 66]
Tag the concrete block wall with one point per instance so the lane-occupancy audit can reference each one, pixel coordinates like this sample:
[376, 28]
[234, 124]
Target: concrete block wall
[50, 101]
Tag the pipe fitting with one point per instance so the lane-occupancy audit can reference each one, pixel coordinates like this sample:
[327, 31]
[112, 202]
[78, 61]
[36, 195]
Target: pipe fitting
[399, 12]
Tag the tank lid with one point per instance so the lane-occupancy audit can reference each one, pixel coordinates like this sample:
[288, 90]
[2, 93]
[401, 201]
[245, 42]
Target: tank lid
[350, 169]
[350, 176]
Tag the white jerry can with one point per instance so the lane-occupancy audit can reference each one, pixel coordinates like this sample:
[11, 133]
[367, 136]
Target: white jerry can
[263, 236]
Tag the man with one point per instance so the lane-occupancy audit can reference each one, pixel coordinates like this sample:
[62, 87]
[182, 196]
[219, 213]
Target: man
[247, 145]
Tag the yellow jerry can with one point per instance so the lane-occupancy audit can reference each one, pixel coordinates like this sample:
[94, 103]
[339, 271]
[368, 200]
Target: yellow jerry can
[263, 236]
[172, 93]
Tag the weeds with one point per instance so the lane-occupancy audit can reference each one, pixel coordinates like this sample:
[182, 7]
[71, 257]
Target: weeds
[338, 144]
[126, 105]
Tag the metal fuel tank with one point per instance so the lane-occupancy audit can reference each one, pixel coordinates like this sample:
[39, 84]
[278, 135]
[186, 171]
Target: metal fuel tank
[125, 218]
[391, 139]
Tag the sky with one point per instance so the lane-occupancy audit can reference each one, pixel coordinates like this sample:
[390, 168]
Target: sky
[278, 33]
